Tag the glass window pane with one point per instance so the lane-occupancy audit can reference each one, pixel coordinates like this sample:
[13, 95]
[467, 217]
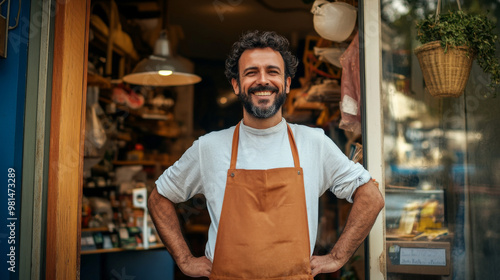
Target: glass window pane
[442, 157]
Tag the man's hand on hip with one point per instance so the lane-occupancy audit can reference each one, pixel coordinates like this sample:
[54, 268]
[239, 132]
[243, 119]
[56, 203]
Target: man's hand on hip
[324, 264]
[196, 267]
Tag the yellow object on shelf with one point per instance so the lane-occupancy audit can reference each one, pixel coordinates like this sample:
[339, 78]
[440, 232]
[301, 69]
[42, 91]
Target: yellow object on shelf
[430, 216]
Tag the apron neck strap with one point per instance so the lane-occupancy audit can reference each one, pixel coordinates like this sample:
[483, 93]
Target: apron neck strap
[293, 146]
[234, 149]
[236, 138]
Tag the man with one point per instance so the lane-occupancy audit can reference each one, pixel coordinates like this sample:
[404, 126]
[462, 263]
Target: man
[262, 180]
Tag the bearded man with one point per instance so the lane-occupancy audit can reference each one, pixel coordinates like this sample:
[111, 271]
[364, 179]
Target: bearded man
[262, 180]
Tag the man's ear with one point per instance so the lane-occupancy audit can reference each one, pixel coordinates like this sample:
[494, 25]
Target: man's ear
[235, 85]
[288, 82]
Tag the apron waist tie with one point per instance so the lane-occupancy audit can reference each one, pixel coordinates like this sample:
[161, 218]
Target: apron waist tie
[294, 277]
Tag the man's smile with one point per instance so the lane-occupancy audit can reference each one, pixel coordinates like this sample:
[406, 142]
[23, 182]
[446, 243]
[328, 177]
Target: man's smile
[263, 93]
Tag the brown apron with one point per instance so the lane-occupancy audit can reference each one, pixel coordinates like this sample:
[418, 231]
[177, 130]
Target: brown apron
[263, 231]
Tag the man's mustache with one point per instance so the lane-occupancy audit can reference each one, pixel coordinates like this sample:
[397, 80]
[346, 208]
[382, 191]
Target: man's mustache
[263, 88]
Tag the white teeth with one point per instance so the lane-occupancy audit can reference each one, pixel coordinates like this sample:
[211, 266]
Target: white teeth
[262, 93]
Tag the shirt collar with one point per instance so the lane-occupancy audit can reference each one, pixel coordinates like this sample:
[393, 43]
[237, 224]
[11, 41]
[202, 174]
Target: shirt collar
[267, 131]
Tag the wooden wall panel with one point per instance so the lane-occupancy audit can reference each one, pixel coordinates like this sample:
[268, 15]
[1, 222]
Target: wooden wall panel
[66, 139]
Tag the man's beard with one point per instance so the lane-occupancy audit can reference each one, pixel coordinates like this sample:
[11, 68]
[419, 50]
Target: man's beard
[258, 112]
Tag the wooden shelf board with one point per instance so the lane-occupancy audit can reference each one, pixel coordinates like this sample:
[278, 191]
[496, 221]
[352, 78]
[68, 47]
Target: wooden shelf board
[114, 250]
[135, 162]
[95, 229]
[97, 80]
[144, 162]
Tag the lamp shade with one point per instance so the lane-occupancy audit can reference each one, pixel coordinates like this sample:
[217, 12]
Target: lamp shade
[162, 69]
[334, 21]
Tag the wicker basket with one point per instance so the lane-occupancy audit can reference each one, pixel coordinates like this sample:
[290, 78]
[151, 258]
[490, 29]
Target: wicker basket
[445, 74]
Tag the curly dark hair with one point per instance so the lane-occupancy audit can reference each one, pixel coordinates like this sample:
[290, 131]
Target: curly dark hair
[260, 39]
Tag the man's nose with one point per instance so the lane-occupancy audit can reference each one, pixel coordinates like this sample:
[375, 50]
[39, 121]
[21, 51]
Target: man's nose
[263, 79]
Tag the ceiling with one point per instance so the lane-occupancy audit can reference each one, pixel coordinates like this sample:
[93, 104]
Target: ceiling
[210, 27]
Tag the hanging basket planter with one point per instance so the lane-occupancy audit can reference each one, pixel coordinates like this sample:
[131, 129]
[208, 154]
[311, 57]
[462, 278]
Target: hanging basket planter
[445, 74]
[446, 67]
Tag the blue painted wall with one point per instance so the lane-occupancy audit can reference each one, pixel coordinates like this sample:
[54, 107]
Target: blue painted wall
[12, 102]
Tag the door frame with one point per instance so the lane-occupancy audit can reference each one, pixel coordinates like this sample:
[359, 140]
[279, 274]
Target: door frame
[371, 56]
[67, 127]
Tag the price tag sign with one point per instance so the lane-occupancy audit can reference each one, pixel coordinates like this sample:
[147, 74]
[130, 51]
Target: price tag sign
[421, 256]
[418, 257]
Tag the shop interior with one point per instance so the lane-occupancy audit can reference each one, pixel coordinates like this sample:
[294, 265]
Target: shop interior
[137, 126]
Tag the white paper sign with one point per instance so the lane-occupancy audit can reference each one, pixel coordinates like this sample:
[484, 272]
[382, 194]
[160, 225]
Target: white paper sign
[421, 256]
[349, 105]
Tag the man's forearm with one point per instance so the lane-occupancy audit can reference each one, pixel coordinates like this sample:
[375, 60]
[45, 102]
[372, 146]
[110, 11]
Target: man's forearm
[368, 202]
[164, 216]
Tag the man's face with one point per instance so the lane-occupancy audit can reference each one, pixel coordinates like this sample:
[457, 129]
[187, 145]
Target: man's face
[262, 86]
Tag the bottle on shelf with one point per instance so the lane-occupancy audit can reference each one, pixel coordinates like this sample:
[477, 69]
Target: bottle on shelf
[137, 154]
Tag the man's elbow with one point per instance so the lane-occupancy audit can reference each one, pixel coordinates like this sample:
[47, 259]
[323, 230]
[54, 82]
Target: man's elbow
[379, 202]
[376, 197]
[370, 196]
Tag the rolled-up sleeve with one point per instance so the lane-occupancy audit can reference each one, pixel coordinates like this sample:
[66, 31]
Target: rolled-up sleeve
[182, 180]
[343, 175]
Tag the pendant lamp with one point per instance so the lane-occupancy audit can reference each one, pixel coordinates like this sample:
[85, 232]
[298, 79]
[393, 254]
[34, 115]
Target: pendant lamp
[162, 69]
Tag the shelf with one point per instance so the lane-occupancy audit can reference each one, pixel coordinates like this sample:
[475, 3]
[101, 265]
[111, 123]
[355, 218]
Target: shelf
[142, 162]
[121, 107]
[144, 114]
[135, 162]
[114, 250]
[95, 229]
[164, 163]
[99, 81]
[101, 41]
[412, 191]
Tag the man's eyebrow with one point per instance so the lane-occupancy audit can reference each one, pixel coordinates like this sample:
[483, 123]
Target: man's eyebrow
[274, 67]
[267, 67]
[250, 68]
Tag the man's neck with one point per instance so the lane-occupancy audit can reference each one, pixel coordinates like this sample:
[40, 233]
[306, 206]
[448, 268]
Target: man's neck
[253, 122]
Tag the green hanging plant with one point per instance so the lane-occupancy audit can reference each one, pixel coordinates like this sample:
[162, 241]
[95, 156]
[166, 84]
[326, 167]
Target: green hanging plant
[456, 29]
